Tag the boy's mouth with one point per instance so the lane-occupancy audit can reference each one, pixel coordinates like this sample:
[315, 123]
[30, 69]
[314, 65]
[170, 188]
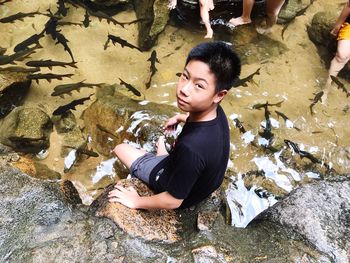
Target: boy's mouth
[181, 101]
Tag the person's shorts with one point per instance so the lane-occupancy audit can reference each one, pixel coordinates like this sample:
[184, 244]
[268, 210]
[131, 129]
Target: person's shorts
[344, 32]
[143, 166]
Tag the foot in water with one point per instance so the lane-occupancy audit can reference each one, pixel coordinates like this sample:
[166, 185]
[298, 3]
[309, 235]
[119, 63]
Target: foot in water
[209, 34]
[263, 31]
[238, 21]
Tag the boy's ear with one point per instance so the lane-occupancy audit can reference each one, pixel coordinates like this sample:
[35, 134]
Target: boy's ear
[220, 95]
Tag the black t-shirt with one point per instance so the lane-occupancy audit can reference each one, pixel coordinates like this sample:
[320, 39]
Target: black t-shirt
[196, 166]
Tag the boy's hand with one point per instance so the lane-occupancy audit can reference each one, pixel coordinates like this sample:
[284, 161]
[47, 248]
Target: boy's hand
[125, 196]
[335, 30]
[171, 125]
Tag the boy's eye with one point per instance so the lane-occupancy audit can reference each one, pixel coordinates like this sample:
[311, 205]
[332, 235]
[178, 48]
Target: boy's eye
[184, 76]
[199, 86]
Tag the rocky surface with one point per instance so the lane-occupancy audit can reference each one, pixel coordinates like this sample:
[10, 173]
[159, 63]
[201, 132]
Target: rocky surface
[320, 212]
[26, 129]
[144, 222]
[319, 33]
[14, 87]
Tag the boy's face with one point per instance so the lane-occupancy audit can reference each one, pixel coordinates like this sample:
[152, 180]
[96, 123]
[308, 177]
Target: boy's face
[196, 88]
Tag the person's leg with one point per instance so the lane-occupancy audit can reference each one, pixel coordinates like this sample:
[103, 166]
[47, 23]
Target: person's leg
[205, 6]
[245, 17]
[127, 154]
[273, 8]
[338, 62]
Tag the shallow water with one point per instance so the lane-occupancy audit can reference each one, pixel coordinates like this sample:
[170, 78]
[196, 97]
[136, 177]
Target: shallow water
[291, 71]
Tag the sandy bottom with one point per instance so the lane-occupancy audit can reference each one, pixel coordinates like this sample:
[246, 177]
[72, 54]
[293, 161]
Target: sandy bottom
[293, 76]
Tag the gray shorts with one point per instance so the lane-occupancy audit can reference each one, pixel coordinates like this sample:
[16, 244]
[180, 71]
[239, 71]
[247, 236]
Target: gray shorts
[143, 166]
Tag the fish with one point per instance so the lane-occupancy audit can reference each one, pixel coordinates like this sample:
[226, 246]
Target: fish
[299, 13]
[101, 15]
[62, 8]
[19, 16]
[63, 41]
[262, 105]
[239, 125]
[153, 59]
[20, 55]
[305, 154]
[340, 85]
[130, 87]
[50, 63]
[70, 106]
[48, 76]
[122, 42]
[285, 118]
[20, 69]
[2, 50]
[68, 88]
[106, 131]
[82, 150]
[267, 134]
[5, 1]
[249, 78]
[86, 21]
[34, 39]
[67, 23]
[317, 98]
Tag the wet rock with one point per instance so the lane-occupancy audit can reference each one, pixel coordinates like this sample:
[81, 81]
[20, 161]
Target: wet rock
[319, 33]
[157, 225]
[113, 118]
[208, 254]
[291, 9]
[26, 129]
[70, 193]
[14, 87]
[155, 16]
[321, 213]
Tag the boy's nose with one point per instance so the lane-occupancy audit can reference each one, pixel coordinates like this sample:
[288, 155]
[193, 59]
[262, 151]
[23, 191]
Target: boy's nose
[186, 88]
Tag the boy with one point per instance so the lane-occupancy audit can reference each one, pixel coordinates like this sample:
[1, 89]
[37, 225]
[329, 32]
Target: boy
[196, 166]
[342, 31]
[273, 8]
[204, 7]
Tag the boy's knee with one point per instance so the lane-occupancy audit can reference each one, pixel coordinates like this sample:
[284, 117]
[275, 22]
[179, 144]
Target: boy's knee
[119, 149]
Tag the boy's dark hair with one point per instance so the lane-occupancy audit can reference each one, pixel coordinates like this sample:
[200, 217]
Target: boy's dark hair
[223, 62]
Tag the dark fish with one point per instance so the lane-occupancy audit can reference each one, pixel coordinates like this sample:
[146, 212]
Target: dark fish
[101, 15]
[63, 41]
[121, 41]
[288, 22]
[267, 134]
[305, 154]
[68, 88]
[2, 51]
[317, 98]
[239, 125]
[62, 8]
[340, 85]
[171, 53]
[48, 76]
[34, 39]
[20, 55]
[136, 21]
[5, 1]
[106, 131]
[18, 16]
[285, 118]
[51, 25]
[70, 106]
[86, 21]
[153, 59]
[20, 69]
[243, 82]
[263, 105]
[50, 63]
[130, 87]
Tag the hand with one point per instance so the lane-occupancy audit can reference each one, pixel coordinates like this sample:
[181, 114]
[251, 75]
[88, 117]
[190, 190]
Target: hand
[171, 125]
[125, 196]
[335, 30]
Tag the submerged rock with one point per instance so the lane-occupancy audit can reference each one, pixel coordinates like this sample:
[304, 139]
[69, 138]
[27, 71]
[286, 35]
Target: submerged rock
[159, 224]
[321, 213]
[319, 33]
[26, 129]
[14, 87]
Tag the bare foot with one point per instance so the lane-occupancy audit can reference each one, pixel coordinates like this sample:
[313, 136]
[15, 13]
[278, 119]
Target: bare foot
[172, 4]
[263, 31]
[239, 21]
[209, 34]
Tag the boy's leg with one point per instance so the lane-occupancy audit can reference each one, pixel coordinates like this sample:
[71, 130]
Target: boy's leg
[205, 6]
[245, 17]
[127, 154]
[338, 62]
[273, 8]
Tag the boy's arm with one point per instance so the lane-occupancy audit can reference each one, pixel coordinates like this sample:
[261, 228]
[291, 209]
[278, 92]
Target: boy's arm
[130, 198]
[172, 123]
[342, 17]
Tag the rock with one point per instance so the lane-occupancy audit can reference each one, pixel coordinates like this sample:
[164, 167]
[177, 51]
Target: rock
[26, 129]
[14, 87]
[113, 118]
[208, 254]
[206, 220]
[319, 33]
[290, 10]
[321, 213]
[70, 193]
[155, 16]
[156, 225]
